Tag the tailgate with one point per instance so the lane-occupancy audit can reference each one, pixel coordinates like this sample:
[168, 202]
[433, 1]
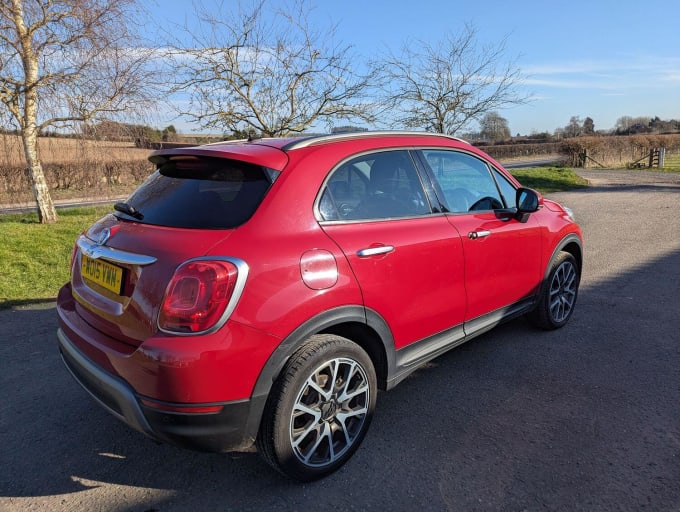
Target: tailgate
[121, 269]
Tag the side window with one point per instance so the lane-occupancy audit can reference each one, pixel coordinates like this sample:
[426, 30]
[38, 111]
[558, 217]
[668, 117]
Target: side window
[376, 186]
[465, 181]
[508, 190]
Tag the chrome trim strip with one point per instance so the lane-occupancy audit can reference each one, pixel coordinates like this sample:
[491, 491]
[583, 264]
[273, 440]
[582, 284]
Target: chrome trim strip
[243, 270]
[374, 251]
[94, 250]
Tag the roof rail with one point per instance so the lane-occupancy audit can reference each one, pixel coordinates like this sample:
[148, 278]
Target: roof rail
[320, 139]
[220, 142]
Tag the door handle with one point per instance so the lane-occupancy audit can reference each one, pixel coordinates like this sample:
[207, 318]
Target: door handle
[374, 251]
[474, 235]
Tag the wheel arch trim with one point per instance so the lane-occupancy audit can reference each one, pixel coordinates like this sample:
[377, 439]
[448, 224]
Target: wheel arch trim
[570, 239]
[323, 322]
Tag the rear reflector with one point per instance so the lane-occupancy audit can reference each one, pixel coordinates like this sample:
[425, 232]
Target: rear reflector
[185, 409]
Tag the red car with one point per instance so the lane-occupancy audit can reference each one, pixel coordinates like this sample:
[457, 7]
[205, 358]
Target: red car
[259, 293]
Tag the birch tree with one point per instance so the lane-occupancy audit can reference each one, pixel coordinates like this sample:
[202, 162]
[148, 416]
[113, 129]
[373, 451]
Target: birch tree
[64, 62]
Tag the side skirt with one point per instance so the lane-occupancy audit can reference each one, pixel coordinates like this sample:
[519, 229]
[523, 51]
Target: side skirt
[412, 357]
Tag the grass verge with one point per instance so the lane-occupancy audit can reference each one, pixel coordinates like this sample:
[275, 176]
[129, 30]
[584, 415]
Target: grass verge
[34, 258]
[549, 179]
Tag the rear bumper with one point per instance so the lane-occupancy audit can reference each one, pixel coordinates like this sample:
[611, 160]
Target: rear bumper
[232, 428]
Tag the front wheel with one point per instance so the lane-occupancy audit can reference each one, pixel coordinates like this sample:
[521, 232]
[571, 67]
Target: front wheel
[319, 409]
[558, 295]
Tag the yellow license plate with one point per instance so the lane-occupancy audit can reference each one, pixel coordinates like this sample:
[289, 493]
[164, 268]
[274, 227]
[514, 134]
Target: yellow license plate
[103, 273]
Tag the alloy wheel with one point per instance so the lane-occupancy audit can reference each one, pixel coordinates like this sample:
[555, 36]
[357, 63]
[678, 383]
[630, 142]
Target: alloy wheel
[563, 288]
[329, 412]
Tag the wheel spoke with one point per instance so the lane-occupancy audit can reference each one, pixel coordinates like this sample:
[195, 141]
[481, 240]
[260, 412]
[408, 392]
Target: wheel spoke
[312, 383]
[348, 396]
[345, 415]
[328, 432]
[302, 409]
[335, 370]
[325, 434]
[300, 438]
[346, 393]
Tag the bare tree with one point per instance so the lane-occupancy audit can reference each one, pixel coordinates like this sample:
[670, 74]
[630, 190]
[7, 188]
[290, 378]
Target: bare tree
[494, 127]
[63, 62]
[265, 70]
[628, 124]
[444, 87]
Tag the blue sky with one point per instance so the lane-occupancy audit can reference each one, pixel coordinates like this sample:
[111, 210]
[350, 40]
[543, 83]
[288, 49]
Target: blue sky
[599, 58]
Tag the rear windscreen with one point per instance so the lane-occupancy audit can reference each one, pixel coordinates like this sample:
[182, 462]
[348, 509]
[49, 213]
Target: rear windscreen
[202, 193]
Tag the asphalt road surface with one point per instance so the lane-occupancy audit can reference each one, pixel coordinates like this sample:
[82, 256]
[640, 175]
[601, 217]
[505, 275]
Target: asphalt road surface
[583, 418]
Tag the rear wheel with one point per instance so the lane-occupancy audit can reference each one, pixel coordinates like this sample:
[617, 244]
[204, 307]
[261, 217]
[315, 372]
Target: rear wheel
[558, 296]
[319, 409]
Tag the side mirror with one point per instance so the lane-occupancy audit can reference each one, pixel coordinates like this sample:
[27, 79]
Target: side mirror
[528, 201]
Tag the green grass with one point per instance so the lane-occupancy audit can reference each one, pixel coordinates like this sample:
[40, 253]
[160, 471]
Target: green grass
[671, 164]
[549, 179]
[34, 258]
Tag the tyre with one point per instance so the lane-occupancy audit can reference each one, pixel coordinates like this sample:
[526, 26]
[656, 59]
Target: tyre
[558, 295]
[319, 409]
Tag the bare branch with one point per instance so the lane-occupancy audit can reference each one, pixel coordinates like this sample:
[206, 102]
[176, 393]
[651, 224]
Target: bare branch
[445, 87]
[267, 71]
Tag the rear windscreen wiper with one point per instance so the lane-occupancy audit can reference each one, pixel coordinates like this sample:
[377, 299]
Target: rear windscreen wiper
[128, 209]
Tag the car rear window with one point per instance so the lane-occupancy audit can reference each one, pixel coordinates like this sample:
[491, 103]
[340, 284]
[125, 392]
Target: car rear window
[201, 192]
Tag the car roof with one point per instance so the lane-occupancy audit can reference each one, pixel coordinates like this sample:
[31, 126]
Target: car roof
[272, 152]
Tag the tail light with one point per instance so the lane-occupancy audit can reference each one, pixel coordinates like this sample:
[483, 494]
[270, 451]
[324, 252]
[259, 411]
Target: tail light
[200, 296]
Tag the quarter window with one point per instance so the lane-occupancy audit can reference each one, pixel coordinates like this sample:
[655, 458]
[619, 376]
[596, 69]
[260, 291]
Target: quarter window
[508, 190]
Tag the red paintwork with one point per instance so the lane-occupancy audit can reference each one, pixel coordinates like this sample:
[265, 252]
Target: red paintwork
[419, 288]
[435, 279]
[502, 268]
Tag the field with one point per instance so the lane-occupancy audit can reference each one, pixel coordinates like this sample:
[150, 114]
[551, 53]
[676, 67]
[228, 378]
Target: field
[77, 169]
[65, 151]
[73, 168]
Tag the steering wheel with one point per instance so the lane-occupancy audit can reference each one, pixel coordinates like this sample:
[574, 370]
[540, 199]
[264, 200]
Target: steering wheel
[486, 203]
[459, 199]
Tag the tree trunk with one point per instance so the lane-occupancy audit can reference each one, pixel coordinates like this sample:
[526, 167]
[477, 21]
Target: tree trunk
[47, 214]
[28, 119]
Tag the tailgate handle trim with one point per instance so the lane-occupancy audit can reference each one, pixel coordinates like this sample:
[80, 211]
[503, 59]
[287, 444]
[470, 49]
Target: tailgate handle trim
[94, 250]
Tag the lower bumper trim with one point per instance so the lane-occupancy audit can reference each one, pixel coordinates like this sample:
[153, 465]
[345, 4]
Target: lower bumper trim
[227, 430]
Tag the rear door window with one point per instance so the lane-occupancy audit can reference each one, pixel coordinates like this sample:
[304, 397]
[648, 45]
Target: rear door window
[202, 193]
[376, 186]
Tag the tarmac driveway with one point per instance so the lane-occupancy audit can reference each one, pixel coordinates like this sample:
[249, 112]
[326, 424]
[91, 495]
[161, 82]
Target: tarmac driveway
[584, 418]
